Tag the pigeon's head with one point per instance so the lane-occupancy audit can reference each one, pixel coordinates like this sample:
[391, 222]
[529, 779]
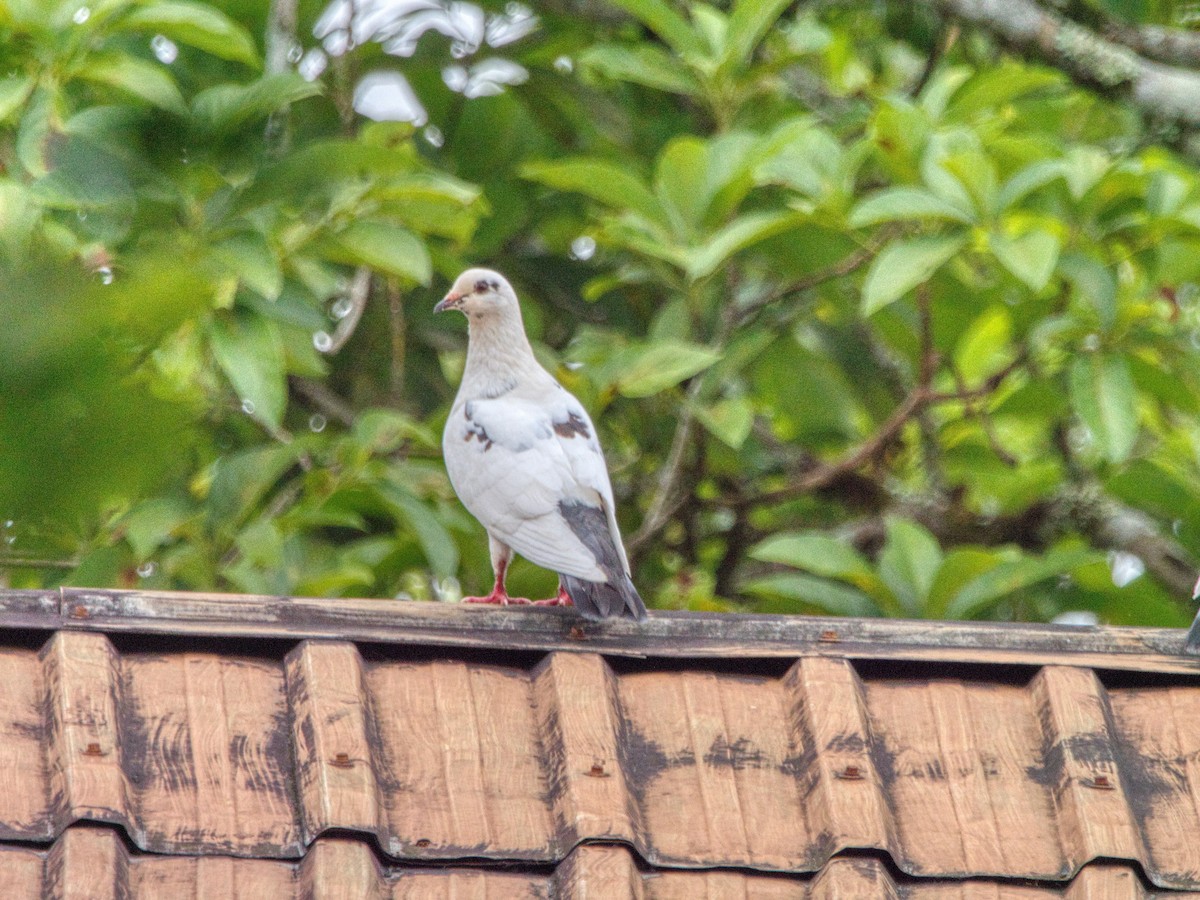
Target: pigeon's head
[479, 292]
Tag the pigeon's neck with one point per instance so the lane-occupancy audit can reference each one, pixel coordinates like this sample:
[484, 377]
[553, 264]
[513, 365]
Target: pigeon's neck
[498, 357]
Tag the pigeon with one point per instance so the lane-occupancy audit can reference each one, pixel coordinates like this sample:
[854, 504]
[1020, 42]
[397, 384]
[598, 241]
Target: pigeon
[523, 457]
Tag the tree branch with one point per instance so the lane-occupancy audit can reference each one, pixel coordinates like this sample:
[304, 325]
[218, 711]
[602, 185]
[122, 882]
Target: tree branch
[947, 35]
[921, 397]
[319, 395]
[357, 294]
[1110, 525]
[666, 501]
[280, 39]
[1175, 46]
[1164, 91]
[849, 264]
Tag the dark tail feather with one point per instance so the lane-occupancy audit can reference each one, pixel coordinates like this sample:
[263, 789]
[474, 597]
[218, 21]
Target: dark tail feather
[600, 600]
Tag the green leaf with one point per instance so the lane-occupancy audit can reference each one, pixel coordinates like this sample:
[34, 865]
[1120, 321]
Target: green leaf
[436, 542]
[1167, 192]
[680, 180]
[742, 232]
[1102, 392]
[909, 563]
[1083, 167]
[814, 552]
[386, 248]
[960, 567]
[748, 23]
[903, 265]
[996, 85]
[662, 365]
[150, 524]
[382, 431]
[1031, 257]
[1009, 577]
[828, 596]
[251, 259]
[804, 157]
[1025, 182]
[985, 345]
[250, 353]
[661, 18]
[197, 25]
[145, 80]
[729, 420]
[1093, 283]
[226, 107]
[34, 130]
[904, 204]
[14, 91]
[606, 182]
[645, 64]
[242, 478]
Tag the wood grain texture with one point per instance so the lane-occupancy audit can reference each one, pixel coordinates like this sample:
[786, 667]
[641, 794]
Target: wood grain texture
[842, 793]
[664, 634]
[84, 745]
[461, 761]
[444, 758]
[962, 763]
[92, 863]
[209, 752]
[25, 811]
[581, 725]
[334, 752]
[1157, 731]
[1080, 767]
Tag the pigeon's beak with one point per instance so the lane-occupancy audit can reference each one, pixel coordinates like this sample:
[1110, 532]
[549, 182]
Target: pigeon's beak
[450, 301]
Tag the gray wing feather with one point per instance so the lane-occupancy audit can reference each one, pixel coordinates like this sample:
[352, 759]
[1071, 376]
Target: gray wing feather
[600, 599]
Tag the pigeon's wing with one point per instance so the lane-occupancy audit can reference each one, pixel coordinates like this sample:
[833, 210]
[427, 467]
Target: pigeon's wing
[517, 464]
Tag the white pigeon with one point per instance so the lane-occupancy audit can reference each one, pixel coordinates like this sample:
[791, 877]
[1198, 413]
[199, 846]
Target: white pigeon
[523, 457]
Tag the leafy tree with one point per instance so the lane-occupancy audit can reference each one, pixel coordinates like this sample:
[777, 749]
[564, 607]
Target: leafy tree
[878, 317]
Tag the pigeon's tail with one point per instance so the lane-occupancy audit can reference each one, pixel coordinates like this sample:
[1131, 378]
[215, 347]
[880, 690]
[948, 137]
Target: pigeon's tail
[603, 600]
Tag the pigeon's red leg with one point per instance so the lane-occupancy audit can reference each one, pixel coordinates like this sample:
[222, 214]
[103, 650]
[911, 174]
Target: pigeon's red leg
[562, 598]
[499, 595]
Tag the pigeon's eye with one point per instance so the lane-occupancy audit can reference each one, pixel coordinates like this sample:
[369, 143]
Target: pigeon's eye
[481, 286]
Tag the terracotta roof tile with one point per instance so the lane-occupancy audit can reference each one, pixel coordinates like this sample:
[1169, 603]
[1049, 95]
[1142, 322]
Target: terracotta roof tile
[93, 864]
[747, 770]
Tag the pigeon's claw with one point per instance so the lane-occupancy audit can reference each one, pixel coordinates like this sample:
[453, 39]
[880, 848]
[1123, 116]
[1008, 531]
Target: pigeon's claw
[562, 598]
[500, 598]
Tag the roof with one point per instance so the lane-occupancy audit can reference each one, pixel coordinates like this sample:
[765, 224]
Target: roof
[205, 740]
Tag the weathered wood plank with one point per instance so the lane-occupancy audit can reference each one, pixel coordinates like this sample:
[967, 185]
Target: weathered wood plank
[84, 747]
[575, 697]
[1091, 799]
[664, 634]
[334, 753]
[842, 794]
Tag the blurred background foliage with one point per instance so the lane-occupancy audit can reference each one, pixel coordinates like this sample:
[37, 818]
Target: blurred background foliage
[877, 317]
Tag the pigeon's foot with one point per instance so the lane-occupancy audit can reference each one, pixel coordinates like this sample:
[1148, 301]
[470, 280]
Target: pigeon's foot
[562, 598]
[499, 598]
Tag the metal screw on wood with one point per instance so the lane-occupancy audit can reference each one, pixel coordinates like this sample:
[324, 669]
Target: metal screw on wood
[80, 612]
[597, 771]
[1101, 782]
[577, 634]
[423, 842]
[93, 749]
[850, 773]
[829, 636]
[342, 761]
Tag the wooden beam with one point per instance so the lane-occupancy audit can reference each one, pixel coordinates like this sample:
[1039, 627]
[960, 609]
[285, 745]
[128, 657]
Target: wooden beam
[664, 634]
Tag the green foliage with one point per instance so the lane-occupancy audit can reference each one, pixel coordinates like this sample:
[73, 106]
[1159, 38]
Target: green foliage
[879, 342]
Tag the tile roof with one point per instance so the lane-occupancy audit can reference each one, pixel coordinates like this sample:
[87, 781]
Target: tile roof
[96, 860]
[519, 773]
